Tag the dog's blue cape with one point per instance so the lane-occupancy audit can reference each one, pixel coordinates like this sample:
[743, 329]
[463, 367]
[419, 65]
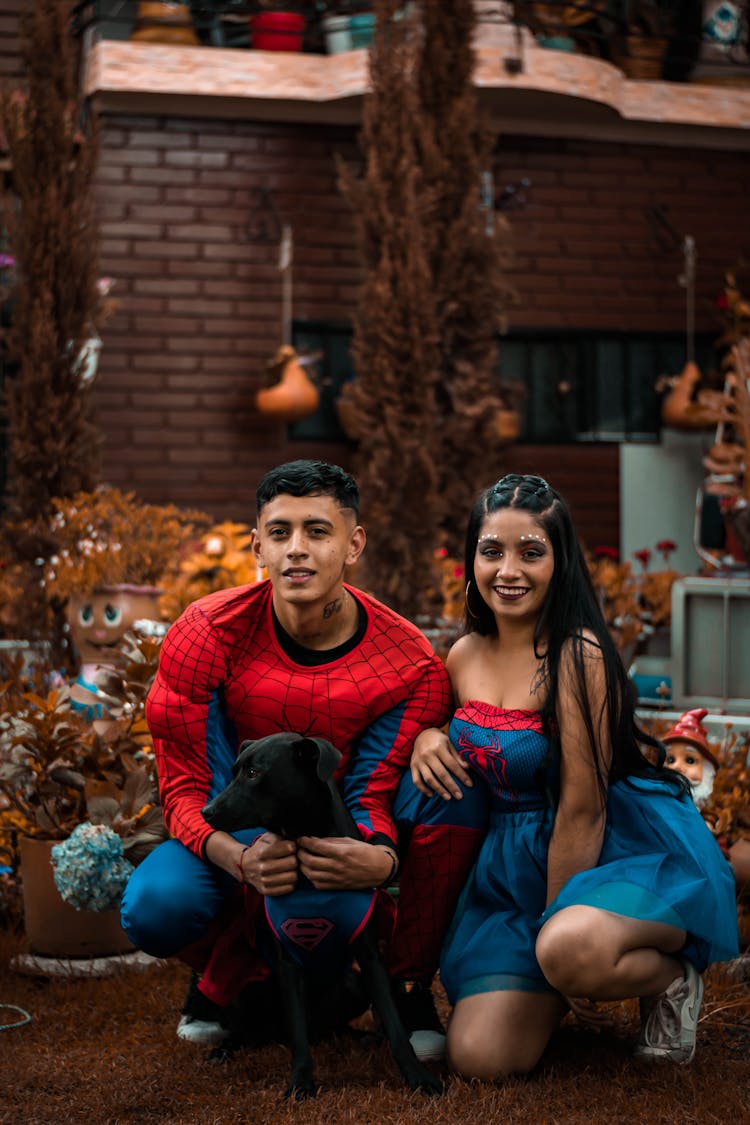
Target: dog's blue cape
[318, 926]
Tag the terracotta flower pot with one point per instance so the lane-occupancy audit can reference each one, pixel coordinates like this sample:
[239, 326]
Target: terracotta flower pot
[164, 21]
[53, 927]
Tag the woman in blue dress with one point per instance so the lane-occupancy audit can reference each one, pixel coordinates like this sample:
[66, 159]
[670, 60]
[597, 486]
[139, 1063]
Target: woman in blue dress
[598, 879]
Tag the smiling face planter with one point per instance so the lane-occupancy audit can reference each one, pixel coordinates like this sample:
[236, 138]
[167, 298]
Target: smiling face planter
[99, 619]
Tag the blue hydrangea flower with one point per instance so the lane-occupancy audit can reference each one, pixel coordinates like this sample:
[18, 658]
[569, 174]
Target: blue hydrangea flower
[90, 870]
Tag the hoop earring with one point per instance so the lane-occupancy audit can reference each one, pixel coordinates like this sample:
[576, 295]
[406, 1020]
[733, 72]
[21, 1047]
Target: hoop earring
[469, 610]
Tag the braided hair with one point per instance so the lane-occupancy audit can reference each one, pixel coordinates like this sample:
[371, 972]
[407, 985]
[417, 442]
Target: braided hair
[569, 616]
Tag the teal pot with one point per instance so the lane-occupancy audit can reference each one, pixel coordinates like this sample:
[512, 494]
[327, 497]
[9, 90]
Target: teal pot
[362, 27]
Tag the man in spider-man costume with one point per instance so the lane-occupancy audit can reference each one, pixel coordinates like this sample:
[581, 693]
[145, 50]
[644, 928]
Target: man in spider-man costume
[302, 651]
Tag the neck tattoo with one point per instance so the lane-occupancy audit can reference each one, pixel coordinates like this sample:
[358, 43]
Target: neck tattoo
[335, 606]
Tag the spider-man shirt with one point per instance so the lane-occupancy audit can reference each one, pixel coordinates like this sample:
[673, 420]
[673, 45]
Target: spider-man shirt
[224, 677]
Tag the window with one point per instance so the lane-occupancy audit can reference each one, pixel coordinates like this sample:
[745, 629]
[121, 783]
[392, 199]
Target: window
[580, 386]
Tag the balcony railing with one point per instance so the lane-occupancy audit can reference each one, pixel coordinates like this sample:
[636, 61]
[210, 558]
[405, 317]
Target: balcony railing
[647, 39]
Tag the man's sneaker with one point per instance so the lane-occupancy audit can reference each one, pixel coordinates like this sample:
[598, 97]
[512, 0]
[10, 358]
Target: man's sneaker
[416, 1006]
[668, 1030]
[201, 1018]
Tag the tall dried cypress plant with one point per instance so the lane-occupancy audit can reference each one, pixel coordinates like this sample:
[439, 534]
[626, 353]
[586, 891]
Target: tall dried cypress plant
[396, 336]
[52, 443]
[425, 400]
[469, 254]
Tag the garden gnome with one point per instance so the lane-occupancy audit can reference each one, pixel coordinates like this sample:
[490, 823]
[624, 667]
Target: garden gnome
[688, 752]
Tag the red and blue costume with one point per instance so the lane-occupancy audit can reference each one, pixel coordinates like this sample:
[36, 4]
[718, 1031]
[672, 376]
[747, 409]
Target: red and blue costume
[226, 675]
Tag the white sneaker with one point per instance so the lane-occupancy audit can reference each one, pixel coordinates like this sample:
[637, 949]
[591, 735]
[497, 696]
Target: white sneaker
[416, 1006]
[669, 1028]
[200, 1031]
[428, 1046]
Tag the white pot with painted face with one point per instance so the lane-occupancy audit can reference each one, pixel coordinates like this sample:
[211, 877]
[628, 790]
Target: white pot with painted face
[99, 619]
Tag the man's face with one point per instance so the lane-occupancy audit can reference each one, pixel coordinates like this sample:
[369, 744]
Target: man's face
[305, 543]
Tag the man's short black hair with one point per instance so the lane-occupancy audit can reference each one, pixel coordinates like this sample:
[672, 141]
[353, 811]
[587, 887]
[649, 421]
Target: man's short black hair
[309, 478]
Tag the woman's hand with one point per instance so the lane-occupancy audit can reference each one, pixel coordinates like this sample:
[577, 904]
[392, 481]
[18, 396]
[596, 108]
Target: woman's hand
[343, 864]
[587, 1013]
[436, 767]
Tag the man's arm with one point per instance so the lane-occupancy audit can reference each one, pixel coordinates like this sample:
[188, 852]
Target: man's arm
[378, 762]
[184, 717]
[382, 755]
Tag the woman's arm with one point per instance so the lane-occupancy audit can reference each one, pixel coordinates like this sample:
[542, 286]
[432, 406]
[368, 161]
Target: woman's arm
[578, 830]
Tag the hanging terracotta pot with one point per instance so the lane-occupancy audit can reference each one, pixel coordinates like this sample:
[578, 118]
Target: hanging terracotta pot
[294, 396]
[507, 425]
[53, 927]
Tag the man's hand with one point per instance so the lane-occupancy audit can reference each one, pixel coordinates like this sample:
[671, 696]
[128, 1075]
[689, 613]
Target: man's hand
[436, 767]
[338, 863]
[270, 864]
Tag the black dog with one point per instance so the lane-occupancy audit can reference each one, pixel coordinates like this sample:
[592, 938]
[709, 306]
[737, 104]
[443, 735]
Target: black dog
[284, 783]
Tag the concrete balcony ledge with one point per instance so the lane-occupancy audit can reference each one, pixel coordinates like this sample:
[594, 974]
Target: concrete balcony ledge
[555, 93]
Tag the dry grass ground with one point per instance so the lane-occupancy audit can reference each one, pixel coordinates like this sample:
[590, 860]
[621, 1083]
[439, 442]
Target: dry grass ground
[104, 1052]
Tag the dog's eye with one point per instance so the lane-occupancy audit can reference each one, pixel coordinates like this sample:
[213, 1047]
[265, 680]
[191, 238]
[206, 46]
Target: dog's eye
[251, 773]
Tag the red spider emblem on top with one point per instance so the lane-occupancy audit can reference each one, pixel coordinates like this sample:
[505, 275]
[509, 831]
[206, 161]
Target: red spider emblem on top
[488, 760]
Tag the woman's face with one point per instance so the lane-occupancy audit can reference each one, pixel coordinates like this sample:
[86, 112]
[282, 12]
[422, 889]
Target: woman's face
[513, 564]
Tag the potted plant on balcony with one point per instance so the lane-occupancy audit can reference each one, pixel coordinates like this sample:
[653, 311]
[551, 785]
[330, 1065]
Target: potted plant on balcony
[642, 41]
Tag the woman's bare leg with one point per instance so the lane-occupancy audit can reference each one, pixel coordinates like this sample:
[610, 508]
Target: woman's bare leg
[584, 951]
[496, 1034]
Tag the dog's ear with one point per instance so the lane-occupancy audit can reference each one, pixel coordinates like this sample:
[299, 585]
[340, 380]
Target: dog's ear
[243, 746]
[324, 754]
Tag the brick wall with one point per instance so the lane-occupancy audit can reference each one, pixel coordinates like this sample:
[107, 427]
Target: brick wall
[10, 10]
[200, 292]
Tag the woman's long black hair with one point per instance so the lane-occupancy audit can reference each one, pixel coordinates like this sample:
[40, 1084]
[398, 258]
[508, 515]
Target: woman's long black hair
[569, 608]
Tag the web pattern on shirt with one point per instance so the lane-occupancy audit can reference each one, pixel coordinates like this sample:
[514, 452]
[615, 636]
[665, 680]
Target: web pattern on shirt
[223, 677]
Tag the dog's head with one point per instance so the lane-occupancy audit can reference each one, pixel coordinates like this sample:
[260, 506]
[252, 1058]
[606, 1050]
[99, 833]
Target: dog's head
[283, 783]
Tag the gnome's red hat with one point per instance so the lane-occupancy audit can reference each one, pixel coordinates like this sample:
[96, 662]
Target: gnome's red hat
[688, 728]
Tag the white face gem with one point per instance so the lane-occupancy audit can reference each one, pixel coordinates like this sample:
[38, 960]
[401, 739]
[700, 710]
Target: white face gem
[537, 538]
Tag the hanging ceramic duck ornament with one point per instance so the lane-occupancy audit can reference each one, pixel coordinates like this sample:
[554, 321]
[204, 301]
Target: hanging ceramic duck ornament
[686, 407]
[293, 395]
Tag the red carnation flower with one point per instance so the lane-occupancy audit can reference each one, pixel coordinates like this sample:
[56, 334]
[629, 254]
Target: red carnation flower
[607, 553]
[643, 556]
[666, 546]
